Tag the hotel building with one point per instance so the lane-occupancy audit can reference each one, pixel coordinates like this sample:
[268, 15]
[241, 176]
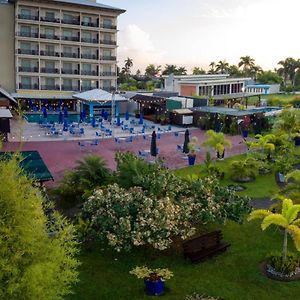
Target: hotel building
[52, 49]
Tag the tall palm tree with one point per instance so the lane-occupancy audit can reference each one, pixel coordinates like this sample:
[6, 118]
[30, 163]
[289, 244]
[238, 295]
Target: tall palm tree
[247, 63]
[198, 71]
[234, 71]
[212, 69]
[127, 66]
[152, 70]
[169, 69]
[263, 144]
[181, 71]
[287, 220]
[283, 71]
[222, 67]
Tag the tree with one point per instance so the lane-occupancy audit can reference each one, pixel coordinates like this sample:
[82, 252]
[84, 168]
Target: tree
[198, 71]
[287, 220]
[181, 71]
[212, 69]
[284, 69]
[244, 170]
[37, 253]
[169, 69]
[264, 144]
[234, 71]
[222, 67]
[127, 66]
[268, 77]
[152, 71]
[247, 63]
[217, 141]
[292, 189]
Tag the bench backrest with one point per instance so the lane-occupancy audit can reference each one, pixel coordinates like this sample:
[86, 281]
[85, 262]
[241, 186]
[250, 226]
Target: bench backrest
[206, 241]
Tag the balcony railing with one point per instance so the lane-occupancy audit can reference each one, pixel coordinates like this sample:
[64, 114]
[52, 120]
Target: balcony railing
[49, 53]
[28, 51]
[90, 40]
[90, 24]
[70, 22]
[108, 74]
[106, 57]
[50, 70]
[70, 38]
[87, 88]
[49, 36]
[69, 88]
[89, 72]
[29, 86]
[69, 55]
[28, 34]
[48, 19]
[50, 87]
[108, 42]
[108, 26]
[108, 88]
[29, 69]
[28, 17]
[89, 56]
[68, 71]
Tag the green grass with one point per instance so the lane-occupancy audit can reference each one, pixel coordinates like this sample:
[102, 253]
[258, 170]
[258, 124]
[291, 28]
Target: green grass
[234, 275]
[264, 185]
[277, 98]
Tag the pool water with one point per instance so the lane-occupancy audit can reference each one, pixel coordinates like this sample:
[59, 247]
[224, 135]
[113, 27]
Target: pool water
[34, 118]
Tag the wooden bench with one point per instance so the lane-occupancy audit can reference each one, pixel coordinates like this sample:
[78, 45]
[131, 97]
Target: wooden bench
[205, 246]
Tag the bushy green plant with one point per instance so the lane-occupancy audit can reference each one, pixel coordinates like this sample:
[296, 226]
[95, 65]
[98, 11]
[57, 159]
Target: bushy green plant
[287, 266]
[233, 129]
[244, 170]
[284, 164]
[152, 274]
[200, 297]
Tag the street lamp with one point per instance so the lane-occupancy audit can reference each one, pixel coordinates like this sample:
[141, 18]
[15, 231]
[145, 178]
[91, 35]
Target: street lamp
[243, 89]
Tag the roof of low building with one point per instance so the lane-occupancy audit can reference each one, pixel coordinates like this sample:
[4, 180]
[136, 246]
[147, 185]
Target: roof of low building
[8, 95]
[182, 111]
[5, 113]
[98, 95]
[38, 95]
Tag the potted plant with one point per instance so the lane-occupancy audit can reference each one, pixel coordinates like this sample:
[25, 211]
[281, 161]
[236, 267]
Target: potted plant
[163, 120]
[137, 113]
[154, 279]
[192, 146]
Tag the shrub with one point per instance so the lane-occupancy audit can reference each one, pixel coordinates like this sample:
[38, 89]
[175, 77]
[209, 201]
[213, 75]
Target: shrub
[200, 297]
[244, 170]
[287, 266]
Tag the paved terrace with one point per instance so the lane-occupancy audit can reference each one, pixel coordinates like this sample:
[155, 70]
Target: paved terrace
[60, 156]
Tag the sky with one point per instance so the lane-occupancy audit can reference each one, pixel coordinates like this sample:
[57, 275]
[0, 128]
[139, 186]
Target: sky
[194, 33]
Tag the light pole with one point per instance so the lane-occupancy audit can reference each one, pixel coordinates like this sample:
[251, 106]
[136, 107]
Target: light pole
[243, 89]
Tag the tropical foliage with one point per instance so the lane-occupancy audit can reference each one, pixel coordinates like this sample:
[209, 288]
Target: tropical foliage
[244, 170]
[145, 272]
[216, 141]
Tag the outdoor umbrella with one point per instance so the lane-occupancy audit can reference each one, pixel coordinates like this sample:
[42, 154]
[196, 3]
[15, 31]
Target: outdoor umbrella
[127, 115]
[186, 141]
[65, 112]
[93, 122]
[118, 121]
[141, 121]
[60, 118]
[45, 115]
[153, 149]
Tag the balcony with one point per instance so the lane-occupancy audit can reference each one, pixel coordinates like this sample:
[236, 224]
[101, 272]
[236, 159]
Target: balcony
[90, 40]
[68, 71]
[69, 88]
[28, 17]
[108, 74]
[70, 22]
[50, 70]
[110, 58]
[29, 69]
[89, 56]
[49, 53]
[108, 26]
[49, 36]
[28, 34]
[87, 88]
[28, 51]
[50, 87]
[49, 19]
[70, 38]
[69, 55]
[89, 24]
[108, 42]
[90, 73]
[30, 86]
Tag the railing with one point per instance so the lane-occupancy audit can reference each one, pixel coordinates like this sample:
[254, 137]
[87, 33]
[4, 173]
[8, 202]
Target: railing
[70, 55]
[49, 36]
[91, 73]
[28, 34]
[89, 56]
[69, 88]
[108, 42]
[50, 87]
[70, 22]
[90, 24]
[29, 69]
[67, 71]
[30, 86]
[108, 74]
[108, 26]
[50, 70]
[70, 38]
[108, 58]
[87, 88]
[48, 19]
[108, 88]
[28, 51]
[89, 40]
[49, 53]
[28, 17]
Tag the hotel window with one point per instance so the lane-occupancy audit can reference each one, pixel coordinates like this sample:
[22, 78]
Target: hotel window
[86, 84]
[50, 82]
[86, 19]
[107, 22]
[25, 12]
[86, 67]
[49, 49]
[50, 15]
[107, 37]
[26, 63]
[67, 83]
[25, 46]
[50, 65]
[106, 53]
[25, 30]
[67, 34]
[25, 81]
[106, 85]
[67, 66]
[49, 32]
[87, 36]
[68, 18]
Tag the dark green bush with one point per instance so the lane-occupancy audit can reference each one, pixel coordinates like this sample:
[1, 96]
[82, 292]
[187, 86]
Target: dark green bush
[285, 267]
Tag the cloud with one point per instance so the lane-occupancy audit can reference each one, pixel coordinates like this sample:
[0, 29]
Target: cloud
[137, 44]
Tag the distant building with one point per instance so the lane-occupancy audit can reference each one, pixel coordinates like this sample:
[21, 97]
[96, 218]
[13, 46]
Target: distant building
[264, 89]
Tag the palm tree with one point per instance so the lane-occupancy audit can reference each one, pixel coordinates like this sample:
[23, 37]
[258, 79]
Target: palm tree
[244, 170]
[128, 65]
[216, 141]
[263, 143]
[222, 67]
[287, 220]
[284, 70]
[169, 69]
[212, 69]
[234, 71]
[198, 71]
[152, 71]
[292, 189]
[247, 63]
[181, 71]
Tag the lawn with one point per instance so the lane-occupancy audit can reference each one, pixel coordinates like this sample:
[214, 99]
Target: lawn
[233, 275]
[264, 186]
[275, 99]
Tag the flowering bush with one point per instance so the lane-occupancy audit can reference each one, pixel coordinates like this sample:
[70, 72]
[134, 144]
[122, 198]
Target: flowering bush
[152, 274]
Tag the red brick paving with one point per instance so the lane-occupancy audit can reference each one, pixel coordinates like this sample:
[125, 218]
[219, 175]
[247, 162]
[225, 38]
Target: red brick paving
[60, 156]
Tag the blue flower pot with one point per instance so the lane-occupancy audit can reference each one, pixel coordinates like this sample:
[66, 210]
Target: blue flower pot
[245, 134]
[297, 141]
[154, 288]
[192, 160]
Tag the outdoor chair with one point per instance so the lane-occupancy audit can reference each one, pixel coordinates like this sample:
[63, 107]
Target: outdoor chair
[176, 134]
[129, 139]
[81, 145]
[179, 148]
[81, 131]
[158, 136]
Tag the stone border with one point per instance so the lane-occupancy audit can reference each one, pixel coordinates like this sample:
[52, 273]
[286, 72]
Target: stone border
[263, 270]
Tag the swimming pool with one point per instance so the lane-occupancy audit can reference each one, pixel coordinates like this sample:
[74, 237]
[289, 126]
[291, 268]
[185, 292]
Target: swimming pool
[34, 118]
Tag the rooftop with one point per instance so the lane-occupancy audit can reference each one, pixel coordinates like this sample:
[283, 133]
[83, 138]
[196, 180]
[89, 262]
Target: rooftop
[97, 95]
